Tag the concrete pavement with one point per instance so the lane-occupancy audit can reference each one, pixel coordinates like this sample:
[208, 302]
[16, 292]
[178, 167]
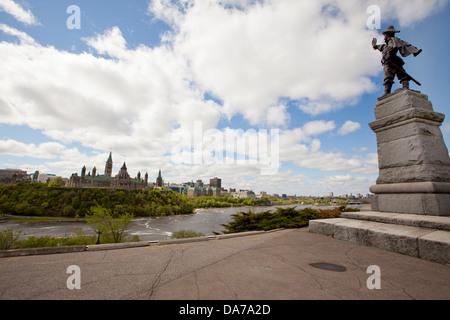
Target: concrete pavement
[267, 266]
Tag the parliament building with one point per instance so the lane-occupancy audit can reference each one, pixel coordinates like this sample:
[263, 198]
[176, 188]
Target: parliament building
[121, 181]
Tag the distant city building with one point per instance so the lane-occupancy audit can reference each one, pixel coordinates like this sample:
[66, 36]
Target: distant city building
[224, 192]
[245, 194]
[180, 188]
[215, 183]
[199, 189]
[202, 191]
[9, 176]
[198, 184]
[45, 177]
[121, 181]
[261, 194]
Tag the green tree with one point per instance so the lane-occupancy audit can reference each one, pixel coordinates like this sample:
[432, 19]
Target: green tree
[57, 182]
[8, 237]
[39, 199]
[111, 228]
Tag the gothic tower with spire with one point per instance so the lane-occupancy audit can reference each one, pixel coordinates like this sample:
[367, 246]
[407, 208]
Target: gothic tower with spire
[109, 166]
[159, 181]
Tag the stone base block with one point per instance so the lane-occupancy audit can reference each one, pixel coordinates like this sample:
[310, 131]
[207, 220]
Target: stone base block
[423, 198]
[426, 204]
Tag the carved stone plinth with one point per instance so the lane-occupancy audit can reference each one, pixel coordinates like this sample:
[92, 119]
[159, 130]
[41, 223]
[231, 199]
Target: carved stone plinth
[413, 160]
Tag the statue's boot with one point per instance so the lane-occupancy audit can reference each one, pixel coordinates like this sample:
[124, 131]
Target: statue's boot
[405, 84]
[387, 89]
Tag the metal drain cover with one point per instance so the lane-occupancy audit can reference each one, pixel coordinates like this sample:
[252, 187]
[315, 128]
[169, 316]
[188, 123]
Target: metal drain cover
[328, 266]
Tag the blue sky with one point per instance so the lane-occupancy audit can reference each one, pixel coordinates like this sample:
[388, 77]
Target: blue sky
[138, 73]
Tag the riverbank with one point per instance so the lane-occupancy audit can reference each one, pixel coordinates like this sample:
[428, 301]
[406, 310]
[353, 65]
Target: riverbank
[6, 218]
[209, 222]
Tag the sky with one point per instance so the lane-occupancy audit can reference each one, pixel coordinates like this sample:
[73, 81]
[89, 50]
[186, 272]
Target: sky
[268, 95]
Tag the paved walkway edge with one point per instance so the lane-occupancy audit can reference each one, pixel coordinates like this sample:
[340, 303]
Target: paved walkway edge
[117, 246]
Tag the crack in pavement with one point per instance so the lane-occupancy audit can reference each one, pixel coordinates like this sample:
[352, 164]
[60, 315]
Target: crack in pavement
[160, 274]
[196, 285]
[229, 288]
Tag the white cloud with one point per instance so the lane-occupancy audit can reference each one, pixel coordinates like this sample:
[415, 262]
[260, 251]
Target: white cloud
[18, 12]
[19, 149]
[111, 43]
[372, 158]
[23, 37]
[349, 127]
[360, 149]
[312, 157]
[277, 116]
[411, 11]
[299, 147]
[314, 128]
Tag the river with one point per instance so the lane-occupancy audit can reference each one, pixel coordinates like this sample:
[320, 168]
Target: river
[205, 221]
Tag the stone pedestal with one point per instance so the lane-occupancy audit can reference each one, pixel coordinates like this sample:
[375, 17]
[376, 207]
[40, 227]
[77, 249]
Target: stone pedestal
[413, 160]
[411, 207]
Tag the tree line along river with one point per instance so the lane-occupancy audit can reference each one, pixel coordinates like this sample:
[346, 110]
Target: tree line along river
[205, 221]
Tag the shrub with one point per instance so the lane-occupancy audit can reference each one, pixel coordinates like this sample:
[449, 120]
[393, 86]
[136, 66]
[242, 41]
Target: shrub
[183, 234]
[39, 242]
[79, 238]
[281, 218]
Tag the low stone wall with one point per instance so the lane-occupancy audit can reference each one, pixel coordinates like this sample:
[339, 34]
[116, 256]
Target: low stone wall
[117, 246]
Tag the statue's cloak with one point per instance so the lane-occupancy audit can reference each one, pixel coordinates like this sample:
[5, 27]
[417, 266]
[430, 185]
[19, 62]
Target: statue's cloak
[405, 48]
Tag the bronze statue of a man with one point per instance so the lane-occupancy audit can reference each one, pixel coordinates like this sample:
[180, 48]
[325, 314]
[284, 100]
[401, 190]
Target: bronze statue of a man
[393, 64]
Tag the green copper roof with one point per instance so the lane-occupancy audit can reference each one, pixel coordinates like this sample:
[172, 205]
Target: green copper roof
[102, 178]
